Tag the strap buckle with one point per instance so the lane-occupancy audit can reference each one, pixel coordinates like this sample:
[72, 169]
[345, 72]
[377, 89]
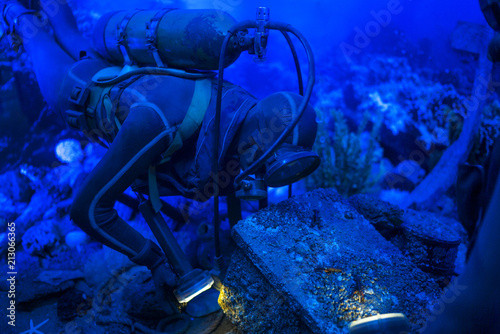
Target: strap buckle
[121, 36]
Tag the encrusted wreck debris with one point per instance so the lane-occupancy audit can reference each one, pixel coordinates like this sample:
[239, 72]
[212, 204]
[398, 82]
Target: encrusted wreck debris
[314, 264]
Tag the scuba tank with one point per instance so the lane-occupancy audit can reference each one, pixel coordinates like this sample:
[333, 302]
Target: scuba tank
[174, 38]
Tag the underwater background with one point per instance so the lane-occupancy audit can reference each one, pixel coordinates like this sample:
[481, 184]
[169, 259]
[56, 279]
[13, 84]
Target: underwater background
[395, 85]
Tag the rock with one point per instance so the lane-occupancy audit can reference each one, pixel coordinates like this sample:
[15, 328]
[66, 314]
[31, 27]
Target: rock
[139, 296]
[34, 292]
[9, 210]
[76, 239]
[431, 244]
[86, 325]
[411, 170]
[349, 271]
[251, 302]
[394, 196]
[404, 176]
[377, 211]
[104, 264]
[384, 216]
[72, 303]
[56, 277]
[393, 180]
[404, 144]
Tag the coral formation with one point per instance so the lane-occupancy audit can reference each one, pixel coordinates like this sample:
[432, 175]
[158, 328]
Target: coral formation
[348, 158]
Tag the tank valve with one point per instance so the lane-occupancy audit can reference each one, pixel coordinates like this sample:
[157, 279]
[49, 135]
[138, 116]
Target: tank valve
[261, 34]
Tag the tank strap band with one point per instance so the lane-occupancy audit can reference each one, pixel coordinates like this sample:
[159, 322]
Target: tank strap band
[121, 36]
[152, 35]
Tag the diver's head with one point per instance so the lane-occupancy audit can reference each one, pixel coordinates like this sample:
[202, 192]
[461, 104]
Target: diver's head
[265, 122]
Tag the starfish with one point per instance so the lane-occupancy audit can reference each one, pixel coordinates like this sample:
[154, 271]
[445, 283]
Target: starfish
[34, 330]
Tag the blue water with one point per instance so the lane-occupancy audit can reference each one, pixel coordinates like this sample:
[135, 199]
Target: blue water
[391, 59]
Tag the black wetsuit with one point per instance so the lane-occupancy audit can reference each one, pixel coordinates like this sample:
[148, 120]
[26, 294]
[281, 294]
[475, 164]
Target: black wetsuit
[153, 108]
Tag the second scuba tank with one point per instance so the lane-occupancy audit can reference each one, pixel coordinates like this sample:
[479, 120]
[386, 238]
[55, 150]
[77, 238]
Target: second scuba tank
[183, 39]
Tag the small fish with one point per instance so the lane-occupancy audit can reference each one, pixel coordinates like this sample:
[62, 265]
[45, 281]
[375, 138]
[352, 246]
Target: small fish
[358, 289]
[328, 270]
[316, 218]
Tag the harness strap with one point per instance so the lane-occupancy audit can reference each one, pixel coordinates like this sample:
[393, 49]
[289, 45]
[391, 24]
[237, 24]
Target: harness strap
[191, 123]
[154, 193]
[111, 100]
[193, 119]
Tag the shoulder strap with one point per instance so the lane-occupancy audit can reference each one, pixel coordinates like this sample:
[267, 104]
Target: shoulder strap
[193, 119]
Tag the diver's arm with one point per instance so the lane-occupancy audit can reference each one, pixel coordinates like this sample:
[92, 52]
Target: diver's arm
[65, 29]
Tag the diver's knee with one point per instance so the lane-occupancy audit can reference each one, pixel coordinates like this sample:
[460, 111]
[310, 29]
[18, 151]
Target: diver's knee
[104, 216]
[88, 216]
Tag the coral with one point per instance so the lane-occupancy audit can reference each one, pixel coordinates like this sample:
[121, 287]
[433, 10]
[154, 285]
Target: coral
[347, 160]
[395, 117]
[413, 101]
[488, 131]
[389, 85]
[41, 239]
[69, 151]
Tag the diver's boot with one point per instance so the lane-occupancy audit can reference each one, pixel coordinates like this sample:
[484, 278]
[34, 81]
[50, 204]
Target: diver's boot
[204, 304]
[164, 278]
[11, 12]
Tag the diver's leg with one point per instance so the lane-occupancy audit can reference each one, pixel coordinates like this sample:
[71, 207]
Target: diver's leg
[65, 28]
[142, 139]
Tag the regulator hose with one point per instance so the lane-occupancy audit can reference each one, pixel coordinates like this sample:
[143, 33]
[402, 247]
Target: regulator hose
[284, 28]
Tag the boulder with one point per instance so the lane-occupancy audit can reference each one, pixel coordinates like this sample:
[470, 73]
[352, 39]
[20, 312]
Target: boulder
[314, 264]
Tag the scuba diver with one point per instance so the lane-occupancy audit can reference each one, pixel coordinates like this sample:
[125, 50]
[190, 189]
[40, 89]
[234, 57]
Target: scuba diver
[159, 124]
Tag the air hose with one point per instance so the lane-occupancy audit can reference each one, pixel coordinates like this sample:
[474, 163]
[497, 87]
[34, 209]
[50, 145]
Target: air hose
[299, 77]
[284, 28]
